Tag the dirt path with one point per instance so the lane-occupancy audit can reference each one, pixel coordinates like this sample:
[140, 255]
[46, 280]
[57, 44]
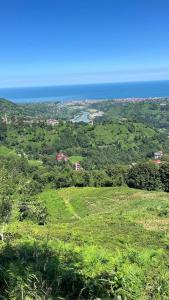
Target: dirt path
[68, 204]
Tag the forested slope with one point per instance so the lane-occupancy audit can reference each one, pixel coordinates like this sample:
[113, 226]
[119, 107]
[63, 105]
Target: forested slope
[101, 144]
[86, 234]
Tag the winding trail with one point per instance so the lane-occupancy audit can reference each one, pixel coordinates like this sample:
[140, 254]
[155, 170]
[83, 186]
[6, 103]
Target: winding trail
[68, 204]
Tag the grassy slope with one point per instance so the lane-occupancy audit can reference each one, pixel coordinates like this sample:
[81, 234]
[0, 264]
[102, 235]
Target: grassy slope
[154, 114]
[108, 217]
[121, 232]
[4, 151]
[109, 133]
[101, 144]
[7, 152]
[75, 158]
[6, 104]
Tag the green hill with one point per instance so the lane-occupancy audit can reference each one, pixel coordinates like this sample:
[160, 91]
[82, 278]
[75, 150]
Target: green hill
[43, 110]
[109, 217]
[8, 108]
[154, 113]
[104, 242]
[74, 243]
[6, 105]
[101, 144]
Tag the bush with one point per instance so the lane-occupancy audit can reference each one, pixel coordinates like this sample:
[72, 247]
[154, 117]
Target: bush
[58, 271]
[164, 175]
[144, 176]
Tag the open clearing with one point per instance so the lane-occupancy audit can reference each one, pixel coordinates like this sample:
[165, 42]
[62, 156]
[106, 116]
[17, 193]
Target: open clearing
[113, 218]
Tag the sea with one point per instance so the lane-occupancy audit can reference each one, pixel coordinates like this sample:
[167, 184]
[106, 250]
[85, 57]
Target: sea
[104, 91]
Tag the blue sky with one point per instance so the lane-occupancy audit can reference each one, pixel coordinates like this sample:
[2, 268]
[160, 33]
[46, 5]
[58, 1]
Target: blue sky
[55, 42]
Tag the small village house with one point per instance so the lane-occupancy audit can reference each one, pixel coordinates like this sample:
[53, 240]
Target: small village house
[61, 157]
[158, 155]
[77, 166]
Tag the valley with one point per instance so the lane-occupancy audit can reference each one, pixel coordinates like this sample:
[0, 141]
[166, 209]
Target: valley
[84, 206]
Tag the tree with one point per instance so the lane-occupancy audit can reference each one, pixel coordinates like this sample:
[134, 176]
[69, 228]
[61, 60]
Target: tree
[81, 178]
[3, 131]
[164, 175]
[144, 176]
[6, 191]
[100, 178]
[116, 174]
[32, 209]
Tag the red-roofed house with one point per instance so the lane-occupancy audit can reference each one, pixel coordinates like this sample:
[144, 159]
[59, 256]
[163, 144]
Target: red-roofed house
[157, 161]
[61, 156]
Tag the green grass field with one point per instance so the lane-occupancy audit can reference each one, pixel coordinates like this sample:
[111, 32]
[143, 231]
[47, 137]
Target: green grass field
[35, 163]
[75, 158]
[6, 152]
[113, 239]
[113, 218]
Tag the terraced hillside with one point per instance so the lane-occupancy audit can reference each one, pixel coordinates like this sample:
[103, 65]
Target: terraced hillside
[108, 217]
[98, 243]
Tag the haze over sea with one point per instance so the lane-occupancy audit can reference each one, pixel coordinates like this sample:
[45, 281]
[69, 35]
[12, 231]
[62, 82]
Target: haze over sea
[91, 91]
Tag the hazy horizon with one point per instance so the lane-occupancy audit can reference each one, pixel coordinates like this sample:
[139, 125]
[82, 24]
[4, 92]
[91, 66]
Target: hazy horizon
[82, 84]
[63, 93]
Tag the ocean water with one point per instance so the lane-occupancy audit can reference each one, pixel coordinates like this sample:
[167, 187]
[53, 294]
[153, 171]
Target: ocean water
[90, 91]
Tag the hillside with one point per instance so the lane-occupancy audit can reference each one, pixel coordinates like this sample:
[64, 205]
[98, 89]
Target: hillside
[83, 234]
[6, 106]
[36, 111]
[154, 113]
[73, 243]
[106, 215]
[6, 103]
[99, 145]
[115, 236]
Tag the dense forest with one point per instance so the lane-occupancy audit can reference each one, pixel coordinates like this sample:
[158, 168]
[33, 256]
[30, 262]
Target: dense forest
[97, 232]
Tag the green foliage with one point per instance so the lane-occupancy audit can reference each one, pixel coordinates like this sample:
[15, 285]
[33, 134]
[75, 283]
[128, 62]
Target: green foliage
[153, 113]
[144, 176]
[164, 173]
[38, 271]
[109, 218]
[31, 209]
[96, 147]
[35, 111]
[6, 192]
[3, 131]
[75, 158]
[99, 239]
[6, 152]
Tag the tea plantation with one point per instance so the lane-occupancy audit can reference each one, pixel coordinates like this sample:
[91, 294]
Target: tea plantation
[98, 243]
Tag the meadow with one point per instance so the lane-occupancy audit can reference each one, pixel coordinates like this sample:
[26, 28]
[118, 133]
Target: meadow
[112, 218]
[104, 243]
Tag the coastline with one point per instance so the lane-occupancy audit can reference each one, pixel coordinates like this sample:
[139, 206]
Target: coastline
[122, 100]
[90, 92]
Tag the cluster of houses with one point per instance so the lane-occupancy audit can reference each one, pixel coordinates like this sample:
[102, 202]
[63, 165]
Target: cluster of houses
[63, 157]
[52, 122]
[77, 166]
